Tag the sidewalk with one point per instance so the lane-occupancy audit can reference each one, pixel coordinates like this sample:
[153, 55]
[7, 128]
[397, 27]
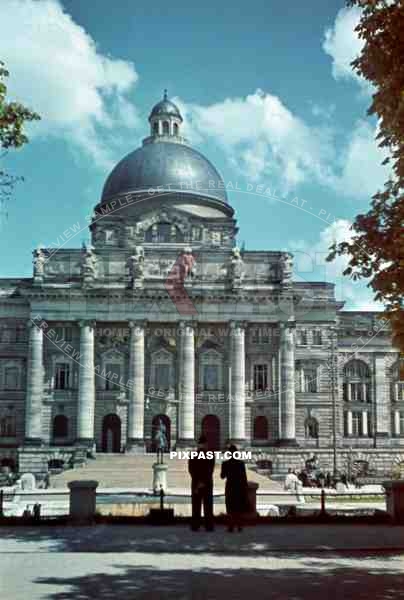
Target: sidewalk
[127, 563]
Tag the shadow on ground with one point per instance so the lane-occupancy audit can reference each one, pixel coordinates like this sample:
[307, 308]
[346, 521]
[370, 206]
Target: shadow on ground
[312, 580]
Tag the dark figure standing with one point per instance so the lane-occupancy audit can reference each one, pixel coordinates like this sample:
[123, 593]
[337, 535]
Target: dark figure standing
[236, 491]
[201, 471]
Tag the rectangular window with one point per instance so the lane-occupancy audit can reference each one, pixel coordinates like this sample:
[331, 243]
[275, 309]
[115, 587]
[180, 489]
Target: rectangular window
[317, 338]
[310, 380]
[260, 377]
[113, 376]
[62, 376]
[357, 430]
[11, 378]
[401, 423]
[302, 337]
[8, 426]
[210, 377]
[162, 376]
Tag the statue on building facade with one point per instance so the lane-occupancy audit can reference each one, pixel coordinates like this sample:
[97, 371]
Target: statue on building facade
[39, 264]
[186, 265]
[286, 268]
[88, 264]
[136, 268]
[236, 268]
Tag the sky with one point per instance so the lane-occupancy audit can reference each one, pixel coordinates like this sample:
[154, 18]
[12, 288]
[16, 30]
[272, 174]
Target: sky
[267, 93]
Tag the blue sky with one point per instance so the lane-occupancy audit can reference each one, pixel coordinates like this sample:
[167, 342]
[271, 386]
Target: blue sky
[266, 91]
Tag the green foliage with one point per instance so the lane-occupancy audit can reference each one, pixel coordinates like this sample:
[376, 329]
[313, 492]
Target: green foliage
[13, 117]
[377, 248]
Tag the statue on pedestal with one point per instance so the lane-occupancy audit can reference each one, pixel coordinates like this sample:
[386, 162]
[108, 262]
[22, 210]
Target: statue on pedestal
[136, 268]
[286, 264]
[236, 268]
[186, 265]
[88, 264]
[39, 264]
[160, 441]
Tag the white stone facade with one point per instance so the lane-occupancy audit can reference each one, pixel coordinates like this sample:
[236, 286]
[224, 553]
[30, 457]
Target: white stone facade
[164, 318]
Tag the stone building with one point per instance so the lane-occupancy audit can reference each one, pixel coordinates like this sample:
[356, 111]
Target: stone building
[162, 322]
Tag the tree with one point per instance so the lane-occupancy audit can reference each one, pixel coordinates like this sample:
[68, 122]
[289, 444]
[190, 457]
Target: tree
[376, 250]
[13, 117]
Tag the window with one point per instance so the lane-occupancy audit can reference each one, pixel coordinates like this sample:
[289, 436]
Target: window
[310, 380]
[311, 428]
[162, 375]
[110, 236]
[156, 127]
[11, 378]
[166, 128]
[176, 128]
[317, 337]
[401, 423]
[260, 431]
[62, 373]
[260, 377]
[357, 424]
[7, 426]
[60, 426]
[302, 337]
[357, 382]
[112, 376]
[210, 377]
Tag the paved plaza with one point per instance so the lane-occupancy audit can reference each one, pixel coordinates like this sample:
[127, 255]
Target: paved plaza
[279, 562]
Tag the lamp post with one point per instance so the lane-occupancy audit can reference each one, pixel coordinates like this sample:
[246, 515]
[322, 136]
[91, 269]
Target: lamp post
[333, 383]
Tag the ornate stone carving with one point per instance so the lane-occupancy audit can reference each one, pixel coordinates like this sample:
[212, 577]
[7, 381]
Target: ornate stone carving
[88, 264]
[286, 264]
[236, 268]
[136, 268]
[39, 264]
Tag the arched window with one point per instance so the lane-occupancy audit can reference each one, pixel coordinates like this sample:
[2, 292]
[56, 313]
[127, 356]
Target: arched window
[176, 129]
[156, 127]
[311, 428]
[60, 426]
[166, 128]
[260, 431]
[357, 382]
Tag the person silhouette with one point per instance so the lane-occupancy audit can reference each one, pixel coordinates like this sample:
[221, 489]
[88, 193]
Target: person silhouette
[236, 490]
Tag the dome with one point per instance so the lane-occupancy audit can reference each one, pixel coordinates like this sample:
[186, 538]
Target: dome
[170, 166]
[165, 107]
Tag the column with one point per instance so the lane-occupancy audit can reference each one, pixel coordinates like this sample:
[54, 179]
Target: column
[397, 422]
[365, 431]
[186, 383]
[136, 387]
[86, 404]
[288, 403]
[349, 422]
[237, 383]
[381, 397]
[33, 400]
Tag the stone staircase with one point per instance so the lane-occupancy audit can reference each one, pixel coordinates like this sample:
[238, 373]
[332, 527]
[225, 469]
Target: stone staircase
[128, 471]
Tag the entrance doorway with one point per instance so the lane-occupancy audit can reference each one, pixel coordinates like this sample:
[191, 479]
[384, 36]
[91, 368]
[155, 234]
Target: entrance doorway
[111, 434]
[211, 429]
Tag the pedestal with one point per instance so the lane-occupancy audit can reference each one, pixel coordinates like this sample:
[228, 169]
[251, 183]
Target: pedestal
[82, 501]
[252, 500]
[395, 499]
[159, 477]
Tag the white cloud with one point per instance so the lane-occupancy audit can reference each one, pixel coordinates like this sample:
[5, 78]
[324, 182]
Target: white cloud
[342, 43]
[261, 135]
[362, 172]
[56, 68]
[311, 265]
